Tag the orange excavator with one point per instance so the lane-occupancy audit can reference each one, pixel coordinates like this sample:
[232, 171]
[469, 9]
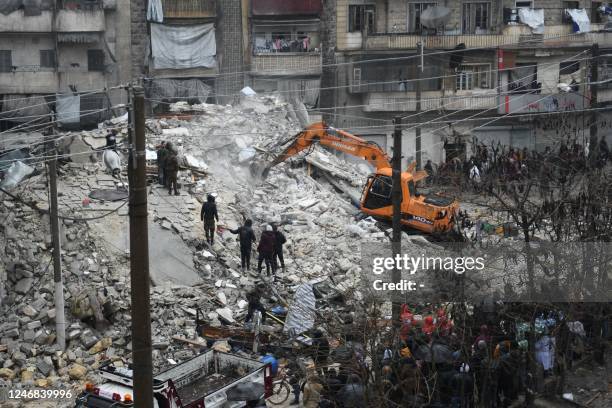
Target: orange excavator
[426, 214]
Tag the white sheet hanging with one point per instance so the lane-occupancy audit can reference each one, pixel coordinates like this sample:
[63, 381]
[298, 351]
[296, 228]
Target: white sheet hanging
[155, 11]
[582, 24]
[534, 18]
[68, 108]
[183, 46]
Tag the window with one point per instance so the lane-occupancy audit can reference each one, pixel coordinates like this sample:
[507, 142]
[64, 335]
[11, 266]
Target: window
[414, 16]
[6, 61]
[524, 77]
[357, 78]
[95, 60]
[565, 18]
[569, 67]
[596, 16]
[476, 17]
[524, 4]
[362, 18]
[47, 58]
[473, 77]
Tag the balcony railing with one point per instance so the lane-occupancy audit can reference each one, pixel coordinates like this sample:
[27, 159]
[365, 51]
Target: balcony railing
[287, 64]
[79, 20]
[511, 37]
[536, 103]
[189, 8]
[431, 100]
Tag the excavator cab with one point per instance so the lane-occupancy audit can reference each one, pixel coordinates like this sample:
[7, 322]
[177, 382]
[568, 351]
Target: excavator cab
[377, 192]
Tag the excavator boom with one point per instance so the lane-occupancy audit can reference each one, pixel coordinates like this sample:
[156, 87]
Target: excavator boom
[334, 139]
[427, 214]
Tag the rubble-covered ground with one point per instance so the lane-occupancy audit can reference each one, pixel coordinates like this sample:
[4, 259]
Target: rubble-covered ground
[217, 142]
[216, 145]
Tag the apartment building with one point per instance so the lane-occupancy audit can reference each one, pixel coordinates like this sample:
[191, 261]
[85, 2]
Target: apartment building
[514, 54]
[284, 51]
[58, 56]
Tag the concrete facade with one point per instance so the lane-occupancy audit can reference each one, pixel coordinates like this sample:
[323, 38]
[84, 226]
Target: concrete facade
[371, 94]
[66, 36]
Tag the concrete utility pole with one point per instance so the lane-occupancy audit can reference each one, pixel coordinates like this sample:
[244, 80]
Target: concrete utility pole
[396, 197]
[593, 143]
[418, 106]
[139, 259]
[60, 320]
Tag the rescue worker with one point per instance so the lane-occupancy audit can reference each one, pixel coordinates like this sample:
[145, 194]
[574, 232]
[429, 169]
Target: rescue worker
[111, 139]
[254, 298]
[246, 236]
[209, 214]
[279, 240]
[162, 154]
[267, 243]
[171, 170]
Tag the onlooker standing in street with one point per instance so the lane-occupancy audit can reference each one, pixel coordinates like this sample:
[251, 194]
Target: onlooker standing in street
[171, 169]
[279, 240]
[267, 243]
[162, 154]
[209, 215]
[246, 237]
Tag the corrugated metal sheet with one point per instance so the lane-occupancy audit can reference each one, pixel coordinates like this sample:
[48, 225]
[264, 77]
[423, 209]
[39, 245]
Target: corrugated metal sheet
[286, 7]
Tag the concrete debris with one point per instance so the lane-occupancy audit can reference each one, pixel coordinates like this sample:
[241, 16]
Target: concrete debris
[187, 276]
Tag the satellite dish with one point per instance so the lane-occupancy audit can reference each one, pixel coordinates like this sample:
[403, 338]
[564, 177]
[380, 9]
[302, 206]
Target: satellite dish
[435, 16]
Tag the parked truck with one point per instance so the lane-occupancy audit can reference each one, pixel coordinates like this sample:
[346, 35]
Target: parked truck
[201, 382]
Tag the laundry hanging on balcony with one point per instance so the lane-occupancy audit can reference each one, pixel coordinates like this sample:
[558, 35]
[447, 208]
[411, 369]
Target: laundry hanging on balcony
[533, 18]
[155, 11]
[580, 20]
[183, 46]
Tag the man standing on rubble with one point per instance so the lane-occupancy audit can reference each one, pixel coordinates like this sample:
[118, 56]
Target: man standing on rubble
[267, 243]
[246, 237]
[172, 168]
[279, 240]
[254, 298]
[209, 215]
[162, 154]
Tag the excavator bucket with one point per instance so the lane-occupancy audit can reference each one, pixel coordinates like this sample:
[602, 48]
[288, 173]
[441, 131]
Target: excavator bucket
[417, 175]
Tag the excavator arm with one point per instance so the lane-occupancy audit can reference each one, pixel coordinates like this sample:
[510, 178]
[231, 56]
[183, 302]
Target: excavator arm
[333, 139]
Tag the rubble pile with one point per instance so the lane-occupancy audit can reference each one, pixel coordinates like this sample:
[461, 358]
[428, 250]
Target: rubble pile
[217, 146]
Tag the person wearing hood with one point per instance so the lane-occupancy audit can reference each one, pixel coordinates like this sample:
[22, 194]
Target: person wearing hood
[267, 243]
[246, 236]
[278, 248]
[209, 215]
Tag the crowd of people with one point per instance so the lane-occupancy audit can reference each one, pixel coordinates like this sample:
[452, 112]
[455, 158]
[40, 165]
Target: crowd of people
[434, 363]
[507, 164]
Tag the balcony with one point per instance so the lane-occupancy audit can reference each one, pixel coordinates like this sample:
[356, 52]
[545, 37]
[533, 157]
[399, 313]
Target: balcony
[189, 8]
[286, 7]
[286, 63]
[80, 20]
[436, 100]
[517, 36]
[541, 103]
[16, 22]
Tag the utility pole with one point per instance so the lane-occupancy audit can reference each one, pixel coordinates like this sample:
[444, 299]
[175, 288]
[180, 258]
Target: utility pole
[58, 292]
[593, 143]
[418, 106]
[396, 197]
[139, 258]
